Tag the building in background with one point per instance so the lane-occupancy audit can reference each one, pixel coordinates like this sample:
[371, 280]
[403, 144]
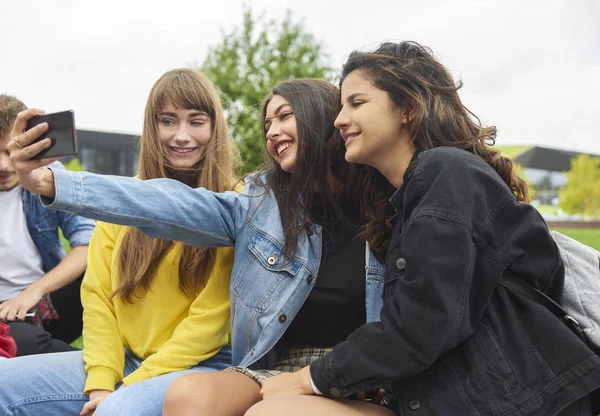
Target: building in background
[107, 153]
[545, 168]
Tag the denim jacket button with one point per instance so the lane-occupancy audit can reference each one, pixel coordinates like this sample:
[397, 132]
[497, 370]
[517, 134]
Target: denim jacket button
[271, 260]
[282, 318]
[335, 392]
[414, 404]
[309, 231]
[401, 263]
[309, 279]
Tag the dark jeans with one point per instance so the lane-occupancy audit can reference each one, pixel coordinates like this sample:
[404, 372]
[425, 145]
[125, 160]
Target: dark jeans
[32, 340]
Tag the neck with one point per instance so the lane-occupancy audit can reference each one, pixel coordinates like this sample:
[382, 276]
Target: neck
[190, 178]
[393, 164]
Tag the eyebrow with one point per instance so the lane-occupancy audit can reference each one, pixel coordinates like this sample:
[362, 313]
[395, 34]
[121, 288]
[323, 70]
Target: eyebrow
[195, 114]
[277, 110]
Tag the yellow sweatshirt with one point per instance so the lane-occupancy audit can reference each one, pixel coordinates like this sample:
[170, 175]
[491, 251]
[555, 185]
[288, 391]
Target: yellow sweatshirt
[164, 327]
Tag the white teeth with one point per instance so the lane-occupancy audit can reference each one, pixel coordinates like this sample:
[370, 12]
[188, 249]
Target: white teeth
[178, 150]
[282, 147]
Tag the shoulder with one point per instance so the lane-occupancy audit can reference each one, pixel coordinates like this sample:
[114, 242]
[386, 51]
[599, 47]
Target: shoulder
[255, 184]
[449, 165]
[444, 157]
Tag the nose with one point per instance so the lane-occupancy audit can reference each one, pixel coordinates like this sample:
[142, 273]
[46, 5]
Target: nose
[4, 162]
[341, 120]
[273, 132]
[183, 132]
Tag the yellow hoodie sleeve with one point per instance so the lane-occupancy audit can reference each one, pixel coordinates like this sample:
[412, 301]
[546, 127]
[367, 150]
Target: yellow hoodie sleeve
[202, 333]
[103, 351]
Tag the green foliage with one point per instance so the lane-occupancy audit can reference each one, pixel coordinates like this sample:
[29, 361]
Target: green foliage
[75, 165]
[588, 236]
[581, 195]
[512, 151]
[251, 60]
[521, 172]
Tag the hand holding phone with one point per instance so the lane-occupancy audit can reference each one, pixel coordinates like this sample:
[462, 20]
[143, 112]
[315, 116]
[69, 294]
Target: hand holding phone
[61, 130]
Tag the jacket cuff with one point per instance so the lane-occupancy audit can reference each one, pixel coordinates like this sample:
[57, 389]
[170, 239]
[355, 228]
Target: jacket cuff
[324, 380]
[69, 191]
[100, 378]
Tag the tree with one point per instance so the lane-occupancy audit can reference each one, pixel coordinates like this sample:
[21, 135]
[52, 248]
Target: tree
[249, 61]
[581, 194]
[521, 172]
[75, 165]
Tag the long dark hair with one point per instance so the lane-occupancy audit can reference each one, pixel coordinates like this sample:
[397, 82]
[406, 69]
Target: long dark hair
[416, 81]
[320, 151]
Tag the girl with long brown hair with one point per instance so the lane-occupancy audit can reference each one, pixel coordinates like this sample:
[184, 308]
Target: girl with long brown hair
[153, 309]
[452, 340]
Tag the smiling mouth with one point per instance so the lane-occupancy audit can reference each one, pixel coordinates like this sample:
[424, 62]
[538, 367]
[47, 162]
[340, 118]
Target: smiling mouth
[283, 147]
[183, 151]
[349, 137]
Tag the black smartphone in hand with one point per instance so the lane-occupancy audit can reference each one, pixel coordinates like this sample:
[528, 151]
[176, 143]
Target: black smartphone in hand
[61, 130]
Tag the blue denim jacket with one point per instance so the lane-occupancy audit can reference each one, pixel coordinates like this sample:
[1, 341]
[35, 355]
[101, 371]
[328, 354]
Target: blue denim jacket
[43, 225]
[266, 290]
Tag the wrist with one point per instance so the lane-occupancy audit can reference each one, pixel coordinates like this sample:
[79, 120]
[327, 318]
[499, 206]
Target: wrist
[47, 187]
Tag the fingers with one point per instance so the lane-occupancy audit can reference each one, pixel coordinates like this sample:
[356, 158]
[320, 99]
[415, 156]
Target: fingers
[89, 408]
[21, 123]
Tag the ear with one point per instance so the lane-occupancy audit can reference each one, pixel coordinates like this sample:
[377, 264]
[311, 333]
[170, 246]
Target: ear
[410, 111]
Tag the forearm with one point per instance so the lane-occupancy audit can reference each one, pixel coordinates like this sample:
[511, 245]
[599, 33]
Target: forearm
[71, 267]
[161, 208]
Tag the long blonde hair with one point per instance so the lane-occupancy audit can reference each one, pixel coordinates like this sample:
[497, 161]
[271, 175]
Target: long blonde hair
[140, 255]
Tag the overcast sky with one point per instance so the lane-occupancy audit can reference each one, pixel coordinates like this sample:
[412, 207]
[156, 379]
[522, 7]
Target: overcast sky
[530, 67]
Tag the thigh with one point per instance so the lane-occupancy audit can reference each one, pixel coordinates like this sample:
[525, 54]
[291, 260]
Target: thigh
[316, 406]
[30, 339]
[147, 397]
[224, 393]
[49, 384]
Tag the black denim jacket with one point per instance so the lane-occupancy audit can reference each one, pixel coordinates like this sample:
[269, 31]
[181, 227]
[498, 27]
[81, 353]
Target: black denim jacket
[450, 340]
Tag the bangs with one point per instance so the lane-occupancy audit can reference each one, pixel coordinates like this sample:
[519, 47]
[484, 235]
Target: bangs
[186, 91]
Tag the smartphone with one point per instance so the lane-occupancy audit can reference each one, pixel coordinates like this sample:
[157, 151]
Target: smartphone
[61, 130]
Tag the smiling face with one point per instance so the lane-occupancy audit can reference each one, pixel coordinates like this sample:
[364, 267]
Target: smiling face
[370, 124]
[184, 133]
[281, 132]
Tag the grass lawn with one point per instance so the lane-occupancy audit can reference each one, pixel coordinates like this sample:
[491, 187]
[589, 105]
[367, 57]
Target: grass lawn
[589, 236]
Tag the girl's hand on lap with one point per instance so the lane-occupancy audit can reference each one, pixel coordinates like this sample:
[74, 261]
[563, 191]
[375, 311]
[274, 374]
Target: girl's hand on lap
[96, 397]
[288, 384]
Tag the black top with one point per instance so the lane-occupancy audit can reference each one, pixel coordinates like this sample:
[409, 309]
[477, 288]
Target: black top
[336, 304]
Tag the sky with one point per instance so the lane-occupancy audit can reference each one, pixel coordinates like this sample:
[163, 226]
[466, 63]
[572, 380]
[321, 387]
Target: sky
[529, 67]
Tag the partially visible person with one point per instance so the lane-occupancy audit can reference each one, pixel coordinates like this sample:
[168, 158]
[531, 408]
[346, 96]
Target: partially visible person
[153, 309]
[8, 348]
[34, 263]
[452, 340]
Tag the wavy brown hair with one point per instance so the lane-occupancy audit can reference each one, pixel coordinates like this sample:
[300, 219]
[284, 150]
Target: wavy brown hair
[140, 255]
[321, 151]
[416, 81]
[9, 108]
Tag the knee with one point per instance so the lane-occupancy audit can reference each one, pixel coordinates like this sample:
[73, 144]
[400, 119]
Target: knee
[190, 394]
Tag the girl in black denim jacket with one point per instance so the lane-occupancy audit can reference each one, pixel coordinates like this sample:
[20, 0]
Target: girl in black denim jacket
[451, 341]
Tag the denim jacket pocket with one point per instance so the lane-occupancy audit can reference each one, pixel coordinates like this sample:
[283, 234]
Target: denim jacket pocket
[264, 273]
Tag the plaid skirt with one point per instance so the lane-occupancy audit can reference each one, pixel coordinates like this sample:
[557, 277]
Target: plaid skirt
[290, 360]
